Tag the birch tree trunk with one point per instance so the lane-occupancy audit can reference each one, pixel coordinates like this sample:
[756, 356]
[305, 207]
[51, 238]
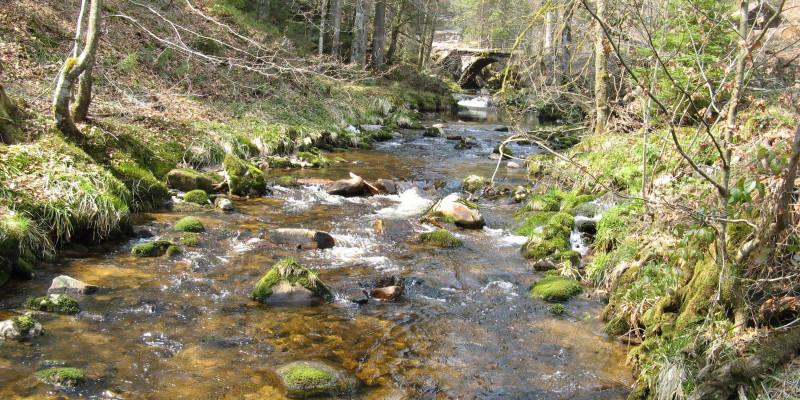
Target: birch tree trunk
[322, 26]
[379, 34]
[359, 36]
[601, 107]
[74, 67]
[337, 28]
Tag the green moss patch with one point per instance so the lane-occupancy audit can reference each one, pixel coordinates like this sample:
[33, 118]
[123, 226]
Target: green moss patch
[151, 249]
[289, 271]
[187, 179]
[64, 377]
[474, 183]
[55, 303]
[197, 196]
[441, 237]
[286, 181]
[556, 288]
[189, 224]
[557, 309]
[553, 238]
[190, 239]
[306, 377]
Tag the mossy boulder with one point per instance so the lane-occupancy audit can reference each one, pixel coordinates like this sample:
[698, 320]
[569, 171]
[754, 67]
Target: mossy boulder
[314, 159]
[305, 379]
[187, 179]
[244, 178]
[197, 196]
[441, 237]
[174, 251]
[286, 181]
[224, 204]
[455, 210]
[382, 135]
[556, 288]
[474, 183]
[552, 239]
[434, 131]
[20, 328]
[507, 153]
[55, 303]
[289, 282]
[189, 224]
[279, 163]
[155, 248]
[557, 309]
[62, 377]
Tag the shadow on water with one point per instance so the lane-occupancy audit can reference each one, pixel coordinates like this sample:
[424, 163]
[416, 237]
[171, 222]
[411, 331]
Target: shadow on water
[466, 327]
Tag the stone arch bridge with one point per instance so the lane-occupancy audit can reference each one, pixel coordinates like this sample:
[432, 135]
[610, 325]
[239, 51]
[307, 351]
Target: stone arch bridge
[464, 64]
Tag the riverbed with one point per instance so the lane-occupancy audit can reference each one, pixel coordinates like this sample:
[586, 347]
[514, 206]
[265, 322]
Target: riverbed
[466, 327]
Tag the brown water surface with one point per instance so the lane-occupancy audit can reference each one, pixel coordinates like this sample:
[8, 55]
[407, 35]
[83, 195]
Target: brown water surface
[186, 328]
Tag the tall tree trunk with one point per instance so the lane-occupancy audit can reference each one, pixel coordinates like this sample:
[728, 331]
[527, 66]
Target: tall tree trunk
[337, 28]
[379, 34]
[322, 19]
[359, 36]
[262, 9]
[601, 107]
[74, 67]
[397, 23]
[549, 49]
[565, 57]
[429, 40]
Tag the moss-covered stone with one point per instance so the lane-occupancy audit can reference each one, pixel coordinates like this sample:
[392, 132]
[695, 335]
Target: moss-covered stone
[20, 328]
[173, 251]
[304, 379]
[151, 249]
[440, 237]
[556, 288]
[63, 376]
[244, 178]
[291, 278]
[197, 196]
[557, 309]
[314, 158]
[286, 181]
[473, 183]
[187, 179]
[507, 153]
[382, 135]
[190, 239]
[553, 238]
[55, 303]
[279, 162]
[433, 131]
[189, 224]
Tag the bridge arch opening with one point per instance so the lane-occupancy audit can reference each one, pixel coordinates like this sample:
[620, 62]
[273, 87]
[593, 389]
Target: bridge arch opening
[470, 77]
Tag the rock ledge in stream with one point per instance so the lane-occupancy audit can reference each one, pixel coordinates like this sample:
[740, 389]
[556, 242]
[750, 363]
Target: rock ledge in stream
[455, 210]
[289, 282]
[301, 238]
[313, 378]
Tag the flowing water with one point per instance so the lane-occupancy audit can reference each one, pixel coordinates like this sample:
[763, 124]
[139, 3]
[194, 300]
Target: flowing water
[186, 328]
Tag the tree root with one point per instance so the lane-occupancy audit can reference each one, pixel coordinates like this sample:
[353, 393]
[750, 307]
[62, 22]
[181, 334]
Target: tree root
[723, 381]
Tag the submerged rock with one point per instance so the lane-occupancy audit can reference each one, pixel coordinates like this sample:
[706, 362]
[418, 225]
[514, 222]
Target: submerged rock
[441, 237]
[385, 288]
[20, 328]
[187, 179]
[301, 238]
[244, 178]
[313, 378]
[289, 282]
[67, 284]
[63, 377]
[348, 187]
[387, 293]
[556, 288]
[456, 210]
[393, 227]
[55, 303]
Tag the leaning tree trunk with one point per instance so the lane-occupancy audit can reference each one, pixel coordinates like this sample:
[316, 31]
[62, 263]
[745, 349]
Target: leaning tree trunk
[73, 68]
[337, 28]
[600, 73]
[379, 34]
[322, 25]
[359, 36]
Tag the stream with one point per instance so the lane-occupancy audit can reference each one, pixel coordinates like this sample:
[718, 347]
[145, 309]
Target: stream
[465, 328]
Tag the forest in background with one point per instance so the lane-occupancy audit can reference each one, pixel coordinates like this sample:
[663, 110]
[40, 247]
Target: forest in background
[690, 119]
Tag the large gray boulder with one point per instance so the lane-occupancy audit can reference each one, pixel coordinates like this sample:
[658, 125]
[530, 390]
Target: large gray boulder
[301, 238]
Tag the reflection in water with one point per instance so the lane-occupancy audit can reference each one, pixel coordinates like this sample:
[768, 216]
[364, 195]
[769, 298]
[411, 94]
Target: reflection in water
[466, 327]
